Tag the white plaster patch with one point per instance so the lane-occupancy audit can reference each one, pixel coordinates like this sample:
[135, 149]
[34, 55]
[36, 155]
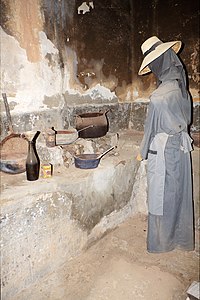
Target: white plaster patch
[28, 83]
[70, 73]
[84, 7]
[70, 70]
[46, 45]
[100, 91]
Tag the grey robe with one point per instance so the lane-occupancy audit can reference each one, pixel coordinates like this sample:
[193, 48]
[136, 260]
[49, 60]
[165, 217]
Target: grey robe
[167, 145]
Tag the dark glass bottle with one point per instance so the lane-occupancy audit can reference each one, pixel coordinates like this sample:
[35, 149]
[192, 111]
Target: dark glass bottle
[32, 163]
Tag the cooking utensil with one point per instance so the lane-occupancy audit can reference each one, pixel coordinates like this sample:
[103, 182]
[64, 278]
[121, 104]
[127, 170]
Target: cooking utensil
[66, 137]
[12, 166]
[89, 161]
[13, 147]
[97, 119]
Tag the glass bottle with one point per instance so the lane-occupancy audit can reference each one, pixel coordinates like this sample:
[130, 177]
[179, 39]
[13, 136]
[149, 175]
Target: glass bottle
[32, 162]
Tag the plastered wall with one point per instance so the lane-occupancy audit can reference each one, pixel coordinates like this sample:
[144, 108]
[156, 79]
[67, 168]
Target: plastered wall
[88, 48]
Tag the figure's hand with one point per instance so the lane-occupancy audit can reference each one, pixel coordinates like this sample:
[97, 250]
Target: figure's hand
[139, 157]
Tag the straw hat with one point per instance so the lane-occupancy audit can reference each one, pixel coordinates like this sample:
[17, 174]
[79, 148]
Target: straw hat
[153, 48]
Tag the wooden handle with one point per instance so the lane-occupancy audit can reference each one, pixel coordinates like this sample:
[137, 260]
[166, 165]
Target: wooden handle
[10, 127]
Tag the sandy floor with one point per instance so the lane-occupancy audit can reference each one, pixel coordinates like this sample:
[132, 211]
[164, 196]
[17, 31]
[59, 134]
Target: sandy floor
[118, 267]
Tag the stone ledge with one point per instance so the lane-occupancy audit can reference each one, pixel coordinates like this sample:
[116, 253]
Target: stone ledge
[47, 222]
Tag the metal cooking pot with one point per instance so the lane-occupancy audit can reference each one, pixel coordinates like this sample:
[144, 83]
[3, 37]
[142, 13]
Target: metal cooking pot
[97, 119]
[89, 161]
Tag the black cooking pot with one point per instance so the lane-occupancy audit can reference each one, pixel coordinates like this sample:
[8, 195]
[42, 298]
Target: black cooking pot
[89, 161]
[97, 119]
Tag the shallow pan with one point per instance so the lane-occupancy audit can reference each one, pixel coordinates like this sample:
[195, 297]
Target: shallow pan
[12, 166]
[13, 147]
[67, 137]
[89, 161]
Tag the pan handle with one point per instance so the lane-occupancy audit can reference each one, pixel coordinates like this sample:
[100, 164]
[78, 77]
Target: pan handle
[10, 127]
[100, 156]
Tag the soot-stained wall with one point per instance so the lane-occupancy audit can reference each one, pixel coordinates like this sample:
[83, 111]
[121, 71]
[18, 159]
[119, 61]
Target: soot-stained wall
[54, 47]
[106, 36]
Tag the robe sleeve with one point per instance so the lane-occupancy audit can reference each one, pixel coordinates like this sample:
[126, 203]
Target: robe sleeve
[149, 130]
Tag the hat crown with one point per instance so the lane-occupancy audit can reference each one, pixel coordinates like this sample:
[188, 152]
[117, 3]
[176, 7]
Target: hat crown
[149, 43]
[152, 48]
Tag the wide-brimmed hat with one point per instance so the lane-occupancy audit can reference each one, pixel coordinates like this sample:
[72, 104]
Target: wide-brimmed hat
[153, 48]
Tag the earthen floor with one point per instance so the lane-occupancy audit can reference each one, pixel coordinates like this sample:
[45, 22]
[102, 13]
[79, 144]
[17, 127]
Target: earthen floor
[118, 267]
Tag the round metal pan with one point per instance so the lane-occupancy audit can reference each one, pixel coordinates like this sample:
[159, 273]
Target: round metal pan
[89, 161]
[13, 147]
[67, 137]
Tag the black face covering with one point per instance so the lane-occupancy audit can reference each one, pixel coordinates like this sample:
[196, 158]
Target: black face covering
[168, 67]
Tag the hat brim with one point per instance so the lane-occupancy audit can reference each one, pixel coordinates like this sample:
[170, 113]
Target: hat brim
[176, 46]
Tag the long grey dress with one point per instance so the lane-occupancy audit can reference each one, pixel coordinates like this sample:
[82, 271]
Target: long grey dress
[166, 145]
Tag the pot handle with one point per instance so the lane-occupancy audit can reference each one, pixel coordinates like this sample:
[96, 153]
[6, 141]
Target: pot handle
[105, 112]
[85, 128]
